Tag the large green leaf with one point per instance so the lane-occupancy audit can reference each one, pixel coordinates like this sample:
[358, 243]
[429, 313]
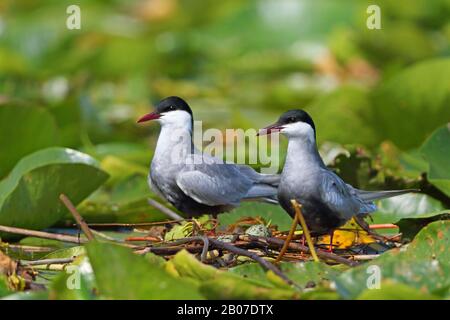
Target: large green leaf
[436, 151]
[275, 214]
[347, 107]
[29, 197]
[423, 265]
[115, 266]
[22, 131]
[4, 291]
[301, 273]
[411, 205]
[395, 291]
[411, 104]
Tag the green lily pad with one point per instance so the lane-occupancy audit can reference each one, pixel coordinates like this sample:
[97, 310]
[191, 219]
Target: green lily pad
[29, 197]
[70, 286]
[355, 102]
[115, 266]
[66, 253]
[395, 291]
[275, 214]
[301, 273]
[424, 265]
[412, 103]
[77, 282]
[217, 284]
[411, 205]
[24, 130]
[4, 291]
[227, 287]
[436, 151]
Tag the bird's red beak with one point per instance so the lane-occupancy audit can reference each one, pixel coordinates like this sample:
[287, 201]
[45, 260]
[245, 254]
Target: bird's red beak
[149, 116]
[270, 129]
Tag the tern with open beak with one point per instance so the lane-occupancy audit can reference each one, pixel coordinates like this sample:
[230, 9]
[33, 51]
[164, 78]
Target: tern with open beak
[327, 202]
[193, 182]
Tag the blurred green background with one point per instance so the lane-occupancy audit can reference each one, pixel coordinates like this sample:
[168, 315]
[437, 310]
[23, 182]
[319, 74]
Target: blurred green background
[375, 95]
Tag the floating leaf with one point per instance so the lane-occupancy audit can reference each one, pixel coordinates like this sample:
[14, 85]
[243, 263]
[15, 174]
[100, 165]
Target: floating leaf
[24, 130]
[66, 253]
[113, 266]
[436, 151]
[411, 104]
[300, 272]
[188, 266]
[355, 102]
[70, 285]
[411, 205]
[4, 290]
[29, 197]
[395, 291]
[424, 265]
[228, 287]
[269, 212]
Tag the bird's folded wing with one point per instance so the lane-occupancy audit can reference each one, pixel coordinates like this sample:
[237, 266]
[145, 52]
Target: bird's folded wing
[214, 184]
[337, 195]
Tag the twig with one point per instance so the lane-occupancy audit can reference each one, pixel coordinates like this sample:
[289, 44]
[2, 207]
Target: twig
[171, 214]
[78, 218]
[133, 225]
[364, 257]
[295, 222]
[299, 247]
[28, 249]
[264, 263]
[383, 226]
[172, 249]
[298, 212]
[46, 261]
[42, 234]
[51, 267]
[146, 238]
[106, 237]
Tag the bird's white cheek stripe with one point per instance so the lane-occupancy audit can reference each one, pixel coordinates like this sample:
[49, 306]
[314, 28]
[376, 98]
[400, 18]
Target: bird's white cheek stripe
[178, 117]
[299, 129]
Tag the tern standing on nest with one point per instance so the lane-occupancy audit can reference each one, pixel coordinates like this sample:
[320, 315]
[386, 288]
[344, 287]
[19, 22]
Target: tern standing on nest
[327, 202]
[193, 182]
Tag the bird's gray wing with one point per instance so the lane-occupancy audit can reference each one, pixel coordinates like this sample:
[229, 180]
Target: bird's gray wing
[269, 179]
[376, 195]
[337, 195]
[214, 184]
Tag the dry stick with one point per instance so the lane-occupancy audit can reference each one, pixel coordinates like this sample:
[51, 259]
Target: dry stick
[364, 257]
[78, 218]
[242, 252]
[298, 212]
[106, 237]
[133, 225]
[171, 214]
[288, 239]
[299, 247]
[18, 247]
[170, 249]
[46, 261]
[42, 234]
[383, 226]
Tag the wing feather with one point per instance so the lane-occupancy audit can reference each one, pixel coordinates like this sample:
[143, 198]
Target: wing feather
[214, 184]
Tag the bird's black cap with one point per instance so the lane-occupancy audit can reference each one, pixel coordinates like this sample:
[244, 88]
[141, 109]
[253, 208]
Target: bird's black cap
[296, 115]
[171, 104]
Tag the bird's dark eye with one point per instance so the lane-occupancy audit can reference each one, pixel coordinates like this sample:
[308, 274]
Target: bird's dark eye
[291, 119]
[170, 108]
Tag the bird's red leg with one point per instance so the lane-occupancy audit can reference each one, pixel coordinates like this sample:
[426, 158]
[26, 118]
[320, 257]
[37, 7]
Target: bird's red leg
[330, 249]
